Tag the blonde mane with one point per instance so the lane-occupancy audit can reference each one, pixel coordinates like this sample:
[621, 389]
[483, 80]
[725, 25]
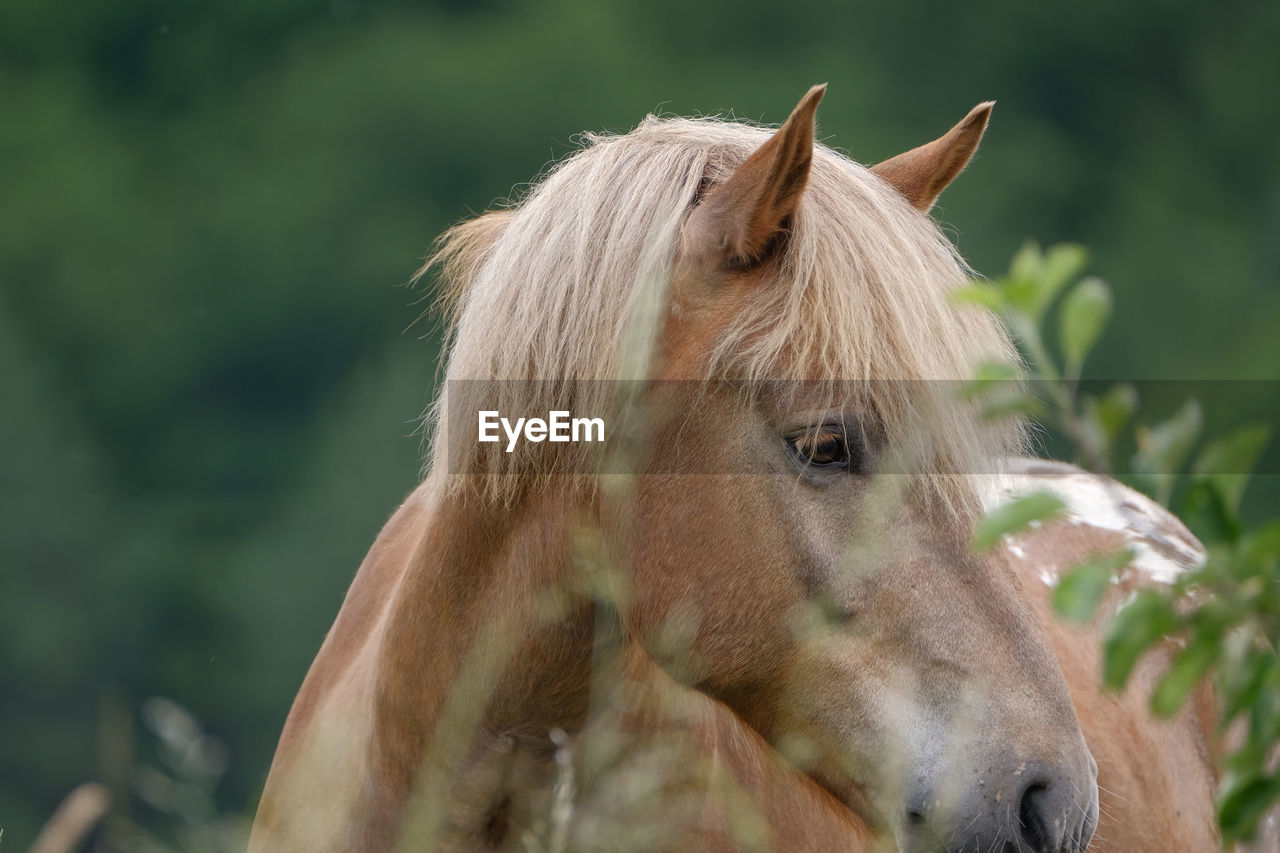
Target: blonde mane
[550, 294]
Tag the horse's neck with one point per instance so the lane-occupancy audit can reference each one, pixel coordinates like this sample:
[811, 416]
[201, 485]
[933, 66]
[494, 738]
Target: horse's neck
[479, 629]
[472, 630]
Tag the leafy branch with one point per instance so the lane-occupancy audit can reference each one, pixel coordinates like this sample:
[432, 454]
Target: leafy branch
[1225, 614]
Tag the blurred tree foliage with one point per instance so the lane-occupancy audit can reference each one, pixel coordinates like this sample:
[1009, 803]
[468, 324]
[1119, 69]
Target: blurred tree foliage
[207, 211]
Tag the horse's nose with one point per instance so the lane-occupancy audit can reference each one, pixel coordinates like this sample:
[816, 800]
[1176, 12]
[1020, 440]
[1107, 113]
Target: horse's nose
[1045, 819]
[1034, 809]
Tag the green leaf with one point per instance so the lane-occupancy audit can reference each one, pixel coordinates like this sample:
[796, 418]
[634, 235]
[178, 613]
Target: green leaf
[1026, 332]
[978, 293]
[997, 386]
[1035, 279]
[1062, 263]
[1163, 448]
[989, 374]
[1027, 262]
[1081, 589]
[1084, 312]
[1228, 462]
[1103, 419]
[1022, 286]
[1243, 802]
[1113, 410]
[1190, 666]
[1001, 394]
[1261, 547]
[1136, 626]
[1244, 679]
[1205, 511]
[1014, 516]
[1009, 404]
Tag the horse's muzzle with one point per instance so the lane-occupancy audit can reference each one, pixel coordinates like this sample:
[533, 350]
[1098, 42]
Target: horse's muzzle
[1035, 808]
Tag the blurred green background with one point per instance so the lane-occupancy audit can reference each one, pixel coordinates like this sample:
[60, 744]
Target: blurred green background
[208, 212]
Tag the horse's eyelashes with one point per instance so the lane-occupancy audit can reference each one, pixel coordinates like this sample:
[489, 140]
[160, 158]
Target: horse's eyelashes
[827, 447]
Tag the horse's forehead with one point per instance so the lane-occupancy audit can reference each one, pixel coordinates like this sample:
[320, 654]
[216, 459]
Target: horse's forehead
[698, 317]
[1101, 515]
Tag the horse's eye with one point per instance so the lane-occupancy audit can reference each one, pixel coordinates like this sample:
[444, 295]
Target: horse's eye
[825, 447]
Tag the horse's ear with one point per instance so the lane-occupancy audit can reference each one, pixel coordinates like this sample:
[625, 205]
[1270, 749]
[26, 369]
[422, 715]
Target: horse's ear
[921, 174]
[740, 218]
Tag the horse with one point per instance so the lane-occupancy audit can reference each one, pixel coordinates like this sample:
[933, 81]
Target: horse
[751, 617]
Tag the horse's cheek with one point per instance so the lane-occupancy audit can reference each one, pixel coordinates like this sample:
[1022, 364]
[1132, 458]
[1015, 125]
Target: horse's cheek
[701, 570]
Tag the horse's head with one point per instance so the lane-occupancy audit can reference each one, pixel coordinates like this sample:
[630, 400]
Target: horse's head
[833, 598]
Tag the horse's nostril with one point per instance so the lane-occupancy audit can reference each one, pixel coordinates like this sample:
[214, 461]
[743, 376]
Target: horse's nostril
[1034, 814]
[1035, 808]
